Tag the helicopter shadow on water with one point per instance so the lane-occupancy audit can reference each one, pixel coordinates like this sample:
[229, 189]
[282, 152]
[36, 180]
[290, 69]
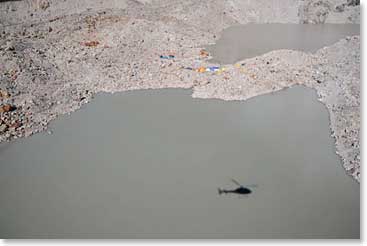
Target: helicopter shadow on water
[242, 191]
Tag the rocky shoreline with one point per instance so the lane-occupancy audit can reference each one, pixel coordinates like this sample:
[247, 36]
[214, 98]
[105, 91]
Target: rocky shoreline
[54, 56]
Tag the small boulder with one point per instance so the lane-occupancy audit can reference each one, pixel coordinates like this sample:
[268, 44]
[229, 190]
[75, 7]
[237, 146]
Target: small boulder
[7, 108]
[4, 94]
[3, 128]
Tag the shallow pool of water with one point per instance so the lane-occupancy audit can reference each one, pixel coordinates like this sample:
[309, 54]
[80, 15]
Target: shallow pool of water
[147, 164]
[246, 41]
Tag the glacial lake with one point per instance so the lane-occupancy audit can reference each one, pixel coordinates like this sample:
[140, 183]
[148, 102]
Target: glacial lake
[148, 163]
[250, 40]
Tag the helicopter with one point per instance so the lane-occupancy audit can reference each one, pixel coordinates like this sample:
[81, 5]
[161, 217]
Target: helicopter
[241, 190]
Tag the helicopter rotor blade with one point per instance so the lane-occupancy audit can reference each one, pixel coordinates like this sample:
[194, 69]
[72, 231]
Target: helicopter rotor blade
[234, 181]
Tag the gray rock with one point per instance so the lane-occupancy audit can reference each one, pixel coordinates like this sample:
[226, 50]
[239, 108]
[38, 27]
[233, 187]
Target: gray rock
[3, 128]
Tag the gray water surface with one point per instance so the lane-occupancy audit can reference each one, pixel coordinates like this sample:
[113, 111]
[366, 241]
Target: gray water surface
[250, 40]
[147, 164]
